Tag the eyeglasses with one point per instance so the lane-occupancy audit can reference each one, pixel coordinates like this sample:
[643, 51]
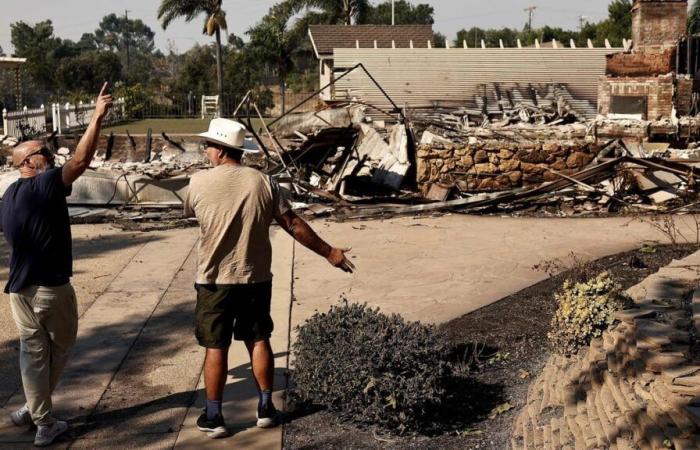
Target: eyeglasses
[43, 151]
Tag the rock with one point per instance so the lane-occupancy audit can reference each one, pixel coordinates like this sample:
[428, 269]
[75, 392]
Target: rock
[533, 157]
[486, 168]
[488, 184]
[529, 168]
[466, 161]
[505, 154]
[423, 152]
[559, 164]
[515, 177]
[422, 171]
[578, 160]
[461, 151]
[550, 176]
[493, 158]
[481, 156]
[550, 146]
[509, 165]
[63, 151]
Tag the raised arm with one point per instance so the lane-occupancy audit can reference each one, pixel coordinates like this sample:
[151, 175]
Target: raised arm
[302, 232]
[85, 150]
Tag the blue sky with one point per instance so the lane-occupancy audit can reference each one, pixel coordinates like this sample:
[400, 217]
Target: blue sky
[71, 18]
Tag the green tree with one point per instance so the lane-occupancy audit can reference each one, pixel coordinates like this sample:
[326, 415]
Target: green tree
[694, 18]
[38, 44]
[276, 39]
[215, 21]
[85, 72]
[132, 40]
[405, 13]
[197, 71]
[618, 26]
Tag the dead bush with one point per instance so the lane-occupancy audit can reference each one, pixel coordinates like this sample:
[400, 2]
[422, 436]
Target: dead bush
[585, 310]
[371, 368]
[579, 269]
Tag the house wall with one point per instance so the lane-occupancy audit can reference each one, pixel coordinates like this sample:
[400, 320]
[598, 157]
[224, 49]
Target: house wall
[452, 76]
[325, 67]
[658, 24]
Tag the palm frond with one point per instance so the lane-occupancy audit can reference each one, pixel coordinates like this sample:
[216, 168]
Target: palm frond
[170, 10]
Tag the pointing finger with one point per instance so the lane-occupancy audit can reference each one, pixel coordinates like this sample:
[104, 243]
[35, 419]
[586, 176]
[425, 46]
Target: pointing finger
[104, 89]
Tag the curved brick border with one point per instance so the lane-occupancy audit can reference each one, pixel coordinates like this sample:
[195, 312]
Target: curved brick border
[635, 387]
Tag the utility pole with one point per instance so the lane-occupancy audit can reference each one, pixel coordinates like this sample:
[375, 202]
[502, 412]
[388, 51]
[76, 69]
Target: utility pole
[581, 22]
[127, 37]
[530, 10]
[393, 13]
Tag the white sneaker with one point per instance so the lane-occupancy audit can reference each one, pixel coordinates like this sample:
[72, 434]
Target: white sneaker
[21, 417]
[268, 417]
[46, 434]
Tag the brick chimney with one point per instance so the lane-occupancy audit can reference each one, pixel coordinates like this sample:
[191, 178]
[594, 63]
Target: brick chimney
[657, 25]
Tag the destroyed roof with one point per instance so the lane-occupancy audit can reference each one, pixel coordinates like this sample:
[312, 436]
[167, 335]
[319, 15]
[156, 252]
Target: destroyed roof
[325, 38]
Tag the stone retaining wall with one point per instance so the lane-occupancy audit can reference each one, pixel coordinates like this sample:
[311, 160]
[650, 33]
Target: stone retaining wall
[492, 165]
[637, 387]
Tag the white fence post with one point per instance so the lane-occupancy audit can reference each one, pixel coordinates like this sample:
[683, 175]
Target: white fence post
[4, 121]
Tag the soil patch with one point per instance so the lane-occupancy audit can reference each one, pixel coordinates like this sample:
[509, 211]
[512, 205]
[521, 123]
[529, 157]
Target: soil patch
[503, 346]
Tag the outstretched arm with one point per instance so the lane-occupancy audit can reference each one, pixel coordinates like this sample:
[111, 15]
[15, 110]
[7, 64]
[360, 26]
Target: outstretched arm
[302, 232]
[85, 150]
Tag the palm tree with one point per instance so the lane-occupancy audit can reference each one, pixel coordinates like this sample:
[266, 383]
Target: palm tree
[215, 21]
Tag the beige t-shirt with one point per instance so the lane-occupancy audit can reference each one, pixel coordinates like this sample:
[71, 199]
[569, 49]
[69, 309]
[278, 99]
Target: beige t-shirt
[235, 206]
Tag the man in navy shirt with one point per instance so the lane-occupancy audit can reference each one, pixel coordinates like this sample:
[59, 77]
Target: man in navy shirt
[34, 219]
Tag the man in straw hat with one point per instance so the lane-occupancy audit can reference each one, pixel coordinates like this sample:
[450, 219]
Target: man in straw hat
[235, 206]
[34, 219]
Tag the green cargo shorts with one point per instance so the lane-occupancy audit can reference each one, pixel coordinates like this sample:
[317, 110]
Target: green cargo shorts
[238, 310]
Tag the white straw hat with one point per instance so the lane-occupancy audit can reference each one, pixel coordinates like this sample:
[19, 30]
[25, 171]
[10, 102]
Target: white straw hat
[228, 133]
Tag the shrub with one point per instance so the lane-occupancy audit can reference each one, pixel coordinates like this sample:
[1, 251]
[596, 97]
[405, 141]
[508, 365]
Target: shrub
[371, 368]
[586, 309]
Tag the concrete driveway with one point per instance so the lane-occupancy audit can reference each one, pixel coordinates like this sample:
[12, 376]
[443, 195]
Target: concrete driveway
[135, 377]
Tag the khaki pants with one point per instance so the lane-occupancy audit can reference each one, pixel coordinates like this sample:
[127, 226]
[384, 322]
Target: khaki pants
[47, 320]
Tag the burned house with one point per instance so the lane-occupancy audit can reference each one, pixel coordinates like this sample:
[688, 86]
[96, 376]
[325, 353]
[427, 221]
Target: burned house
[655, 78]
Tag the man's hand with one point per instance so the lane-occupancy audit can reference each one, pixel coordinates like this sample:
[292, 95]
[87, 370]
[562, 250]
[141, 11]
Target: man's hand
[85, 150]
[104, 102]
[338, 259]
[302, 232]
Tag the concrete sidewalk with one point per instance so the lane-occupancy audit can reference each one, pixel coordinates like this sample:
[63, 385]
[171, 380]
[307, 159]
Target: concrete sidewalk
[135, 377]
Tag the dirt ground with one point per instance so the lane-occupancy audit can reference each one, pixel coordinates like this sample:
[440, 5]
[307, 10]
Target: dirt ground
[503, 347]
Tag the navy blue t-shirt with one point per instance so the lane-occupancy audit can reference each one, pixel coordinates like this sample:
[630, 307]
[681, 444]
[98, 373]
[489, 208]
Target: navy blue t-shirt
[34, 219]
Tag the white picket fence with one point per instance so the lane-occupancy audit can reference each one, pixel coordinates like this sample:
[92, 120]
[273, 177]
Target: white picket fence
[33, 121]
[67, 118]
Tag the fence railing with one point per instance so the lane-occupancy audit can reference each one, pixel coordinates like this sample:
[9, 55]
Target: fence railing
[25, 122]
[182, 106]
[67, 118]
